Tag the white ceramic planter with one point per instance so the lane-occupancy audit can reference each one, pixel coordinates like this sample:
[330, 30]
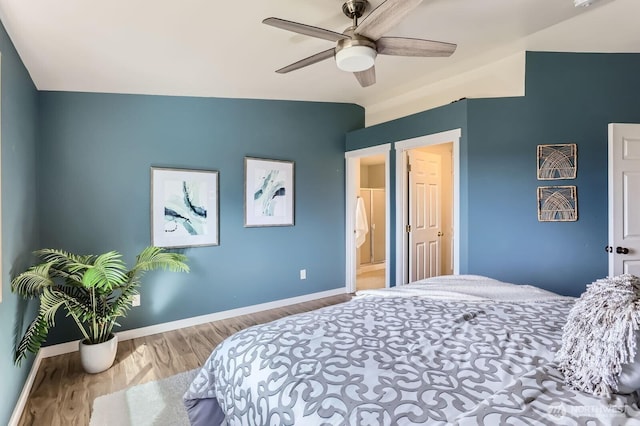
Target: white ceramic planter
[99, 357]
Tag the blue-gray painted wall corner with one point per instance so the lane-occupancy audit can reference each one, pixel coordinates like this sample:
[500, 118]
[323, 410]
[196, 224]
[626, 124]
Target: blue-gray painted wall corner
[19, 209]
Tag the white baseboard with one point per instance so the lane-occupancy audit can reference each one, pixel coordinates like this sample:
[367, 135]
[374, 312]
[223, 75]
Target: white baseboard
[216, 316]
[63, 348]
[26, 389]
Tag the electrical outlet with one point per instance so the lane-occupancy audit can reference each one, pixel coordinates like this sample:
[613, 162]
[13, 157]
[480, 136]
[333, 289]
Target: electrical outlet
[136, 300]
[303, 274]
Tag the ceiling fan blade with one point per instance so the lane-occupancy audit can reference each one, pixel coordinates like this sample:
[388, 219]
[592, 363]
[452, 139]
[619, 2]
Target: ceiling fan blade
[401, 46]
[304, 29]
[326, 54]
[385, 17]
[367, 77]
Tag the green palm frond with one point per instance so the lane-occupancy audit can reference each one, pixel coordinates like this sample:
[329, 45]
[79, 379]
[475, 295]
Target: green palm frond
[108, 271]
[64, 258]
[121, 304]
[78, 304]
[36, 334]
[33, 338]
[156, 258]
[79, 293]
[66, 265]
[151, 258]
[30, 283]
[50, 301]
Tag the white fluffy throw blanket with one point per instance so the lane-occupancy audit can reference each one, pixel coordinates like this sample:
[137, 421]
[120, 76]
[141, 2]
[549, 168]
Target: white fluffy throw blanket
[600, 335]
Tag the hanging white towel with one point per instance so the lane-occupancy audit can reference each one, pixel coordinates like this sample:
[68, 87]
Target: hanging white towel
[362, 225]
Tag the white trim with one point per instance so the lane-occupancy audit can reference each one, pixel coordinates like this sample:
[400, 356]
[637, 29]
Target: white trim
[1, 258]
[26, 390]
[68, 347]
[401, 148]
[610, 206]
[366, 152]
[432, 139]
[387, 186]
[352, 182]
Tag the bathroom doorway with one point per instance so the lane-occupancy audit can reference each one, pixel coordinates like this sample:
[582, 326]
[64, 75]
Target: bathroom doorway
[367, 218]
[371, 219]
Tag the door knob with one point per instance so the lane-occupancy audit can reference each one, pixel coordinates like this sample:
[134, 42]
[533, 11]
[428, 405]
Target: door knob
[440, 233]
[622, 250]
[608, 249]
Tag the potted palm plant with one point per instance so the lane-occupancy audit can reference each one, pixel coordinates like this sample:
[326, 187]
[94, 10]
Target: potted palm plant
[94, 290]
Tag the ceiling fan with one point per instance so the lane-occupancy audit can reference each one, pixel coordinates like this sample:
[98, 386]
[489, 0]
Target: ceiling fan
[357, 47]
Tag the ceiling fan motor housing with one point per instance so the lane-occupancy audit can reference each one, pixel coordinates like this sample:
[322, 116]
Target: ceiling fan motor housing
[355, 54]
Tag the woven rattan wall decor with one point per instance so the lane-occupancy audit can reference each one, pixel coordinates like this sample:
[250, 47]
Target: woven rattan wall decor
[557, 204]
[557, 162]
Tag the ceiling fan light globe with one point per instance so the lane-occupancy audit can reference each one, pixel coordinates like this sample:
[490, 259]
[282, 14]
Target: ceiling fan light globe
[356, 58]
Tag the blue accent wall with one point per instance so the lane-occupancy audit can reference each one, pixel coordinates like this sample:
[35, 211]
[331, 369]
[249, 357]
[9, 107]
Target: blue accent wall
[448, 117]
[96, 151]
[19, 210]
[570, 98]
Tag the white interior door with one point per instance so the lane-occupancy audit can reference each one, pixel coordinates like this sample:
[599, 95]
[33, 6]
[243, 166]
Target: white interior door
[424, 215]
[402, 195]
[624, 199]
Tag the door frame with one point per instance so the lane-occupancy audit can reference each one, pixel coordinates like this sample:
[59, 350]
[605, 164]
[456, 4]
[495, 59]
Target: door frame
[352, 184]
[611, 207]
[402, 201]
[614, 227]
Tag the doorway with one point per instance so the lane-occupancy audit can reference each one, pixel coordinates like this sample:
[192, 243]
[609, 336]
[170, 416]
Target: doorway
[371, 221]
[428, 200]
[367, 218]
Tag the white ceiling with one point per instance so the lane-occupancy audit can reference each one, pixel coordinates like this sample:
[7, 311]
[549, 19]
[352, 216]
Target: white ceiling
[213, 48]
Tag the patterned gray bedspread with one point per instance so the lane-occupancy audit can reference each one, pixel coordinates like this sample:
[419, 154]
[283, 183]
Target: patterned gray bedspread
[401, 361]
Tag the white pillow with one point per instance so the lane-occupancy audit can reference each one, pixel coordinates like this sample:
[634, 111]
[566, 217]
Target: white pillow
[629, 378]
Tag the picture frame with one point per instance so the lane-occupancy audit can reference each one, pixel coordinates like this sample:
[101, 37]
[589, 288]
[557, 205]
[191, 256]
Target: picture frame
[269, 196]
[557, 204]
[185, 210]
[557, 162]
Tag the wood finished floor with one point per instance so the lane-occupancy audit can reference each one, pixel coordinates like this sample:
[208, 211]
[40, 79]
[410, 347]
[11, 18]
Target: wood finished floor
[63, 394]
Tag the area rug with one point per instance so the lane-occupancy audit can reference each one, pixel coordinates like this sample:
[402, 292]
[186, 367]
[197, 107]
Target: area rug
[157, 403]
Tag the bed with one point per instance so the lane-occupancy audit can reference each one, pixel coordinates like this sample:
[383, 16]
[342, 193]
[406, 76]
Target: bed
[463, 350]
